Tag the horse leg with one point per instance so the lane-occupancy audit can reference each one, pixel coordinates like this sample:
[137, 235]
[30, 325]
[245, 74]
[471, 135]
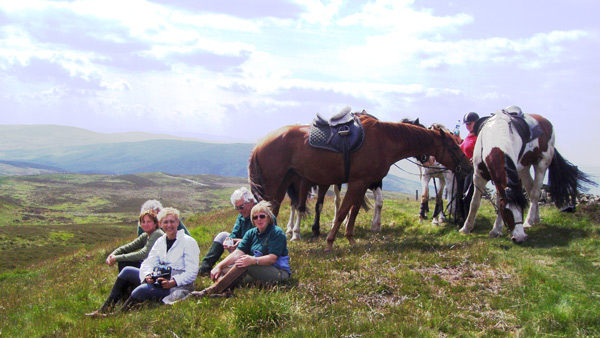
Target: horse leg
[533, 216]
[376, 222]
[290, 225]
[337, 199]
[303, 191]
[438, 212]
[316, 228]
[424, 198]
[451, 192]
[527, 181]
[475, 202]
[296, 231]
[349, 200]
[349, 234]
[498, 223]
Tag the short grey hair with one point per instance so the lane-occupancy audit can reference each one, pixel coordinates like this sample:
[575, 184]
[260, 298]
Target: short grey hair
[168, 211]
[151, 205]
[244, 193]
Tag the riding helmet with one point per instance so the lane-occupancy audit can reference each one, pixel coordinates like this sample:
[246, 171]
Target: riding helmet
[470, 117]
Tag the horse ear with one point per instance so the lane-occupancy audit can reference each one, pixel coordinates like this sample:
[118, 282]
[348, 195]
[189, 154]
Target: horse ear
[416, 122]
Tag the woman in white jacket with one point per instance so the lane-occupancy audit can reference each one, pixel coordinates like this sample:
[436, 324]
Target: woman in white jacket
[174, 250]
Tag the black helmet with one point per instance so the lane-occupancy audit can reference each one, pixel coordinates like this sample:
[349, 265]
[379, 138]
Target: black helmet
[470, 117]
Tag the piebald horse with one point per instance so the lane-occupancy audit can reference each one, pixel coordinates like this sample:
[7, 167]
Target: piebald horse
[285, 153]
[503, 156]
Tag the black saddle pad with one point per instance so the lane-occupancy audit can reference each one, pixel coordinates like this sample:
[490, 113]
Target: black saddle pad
[347, 137]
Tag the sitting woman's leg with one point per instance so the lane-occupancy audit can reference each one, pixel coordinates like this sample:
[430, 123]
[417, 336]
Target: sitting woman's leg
[265, 275]
[229, 280]
[127, 278]
[145, 292]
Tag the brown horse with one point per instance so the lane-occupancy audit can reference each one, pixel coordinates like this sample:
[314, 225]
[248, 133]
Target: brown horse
[285, 153]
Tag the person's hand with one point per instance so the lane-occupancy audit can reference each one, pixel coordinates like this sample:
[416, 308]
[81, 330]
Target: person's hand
[236, 241]
[215, 273]
[166, 283]
[245, 261]
[149, 279]
[111, 259]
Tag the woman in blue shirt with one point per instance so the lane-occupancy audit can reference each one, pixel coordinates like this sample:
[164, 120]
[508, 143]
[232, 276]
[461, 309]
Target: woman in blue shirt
[261, 256]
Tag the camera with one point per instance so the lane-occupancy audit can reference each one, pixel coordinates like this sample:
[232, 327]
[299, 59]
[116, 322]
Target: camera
[160, 271]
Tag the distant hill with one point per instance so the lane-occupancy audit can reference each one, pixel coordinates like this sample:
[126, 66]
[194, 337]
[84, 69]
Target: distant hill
[44, 149]
[26, 150]
[47, 136]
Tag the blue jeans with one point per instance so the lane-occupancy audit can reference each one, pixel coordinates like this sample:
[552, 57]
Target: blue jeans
[144, 291]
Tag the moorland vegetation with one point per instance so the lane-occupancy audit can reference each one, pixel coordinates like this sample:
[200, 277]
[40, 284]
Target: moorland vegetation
[411, 279]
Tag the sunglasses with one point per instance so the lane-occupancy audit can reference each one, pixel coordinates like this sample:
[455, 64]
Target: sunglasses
[240, 207]
[261, 216]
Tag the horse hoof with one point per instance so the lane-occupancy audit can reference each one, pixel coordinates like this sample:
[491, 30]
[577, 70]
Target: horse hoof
[464, 230]
[295, 238]
[494, 235]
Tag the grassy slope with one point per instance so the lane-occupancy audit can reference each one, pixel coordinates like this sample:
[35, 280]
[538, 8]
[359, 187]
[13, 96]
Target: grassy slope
[410, 280]
[50, 215]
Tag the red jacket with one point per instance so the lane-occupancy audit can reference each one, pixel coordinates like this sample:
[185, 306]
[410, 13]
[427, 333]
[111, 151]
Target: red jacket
[468, 144]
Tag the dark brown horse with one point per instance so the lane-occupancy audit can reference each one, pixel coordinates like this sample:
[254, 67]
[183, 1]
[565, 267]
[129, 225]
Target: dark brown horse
[285, 153]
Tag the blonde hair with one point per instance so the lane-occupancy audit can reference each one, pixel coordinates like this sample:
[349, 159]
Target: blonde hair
[167, 211]
[264, 207]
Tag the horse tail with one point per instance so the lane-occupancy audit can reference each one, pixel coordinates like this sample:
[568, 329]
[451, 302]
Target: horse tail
[293, 194]
[255, 178]
[514, 191]
[565, 180]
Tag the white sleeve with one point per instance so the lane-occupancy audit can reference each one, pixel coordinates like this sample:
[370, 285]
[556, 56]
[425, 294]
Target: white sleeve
[191, 258]
[151, 261]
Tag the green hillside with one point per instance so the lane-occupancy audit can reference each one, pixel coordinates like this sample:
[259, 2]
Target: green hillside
[170, 156]
[410, 280]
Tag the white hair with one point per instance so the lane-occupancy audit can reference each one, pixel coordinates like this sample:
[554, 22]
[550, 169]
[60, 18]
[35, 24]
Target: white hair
[151, 205]
[168, 211]
[244, 193]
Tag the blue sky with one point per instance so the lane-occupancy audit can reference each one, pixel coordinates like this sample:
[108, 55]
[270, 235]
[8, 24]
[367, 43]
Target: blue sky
[234, 70]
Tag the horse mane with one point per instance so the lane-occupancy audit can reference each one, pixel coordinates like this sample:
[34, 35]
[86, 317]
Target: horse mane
[406, 132]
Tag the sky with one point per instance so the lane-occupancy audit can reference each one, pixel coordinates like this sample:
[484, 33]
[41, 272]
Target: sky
[232, 71]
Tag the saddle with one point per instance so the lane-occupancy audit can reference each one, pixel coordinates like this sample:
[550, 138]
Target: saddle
[342, 133]
[526, 126]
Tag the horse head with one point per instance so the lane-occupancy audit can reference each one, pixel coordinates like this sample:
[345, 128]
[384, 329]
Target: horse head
[512, 201]
[452, 157]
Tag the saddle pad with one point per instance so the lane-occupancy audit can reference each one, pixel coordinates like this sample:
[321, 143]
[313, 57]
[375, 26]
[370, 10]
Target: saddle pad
[328, 137]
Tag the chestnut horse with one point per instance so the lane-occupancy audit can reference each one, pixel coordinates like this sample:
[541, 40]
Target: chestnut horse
[502, 155]
[285, 153]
